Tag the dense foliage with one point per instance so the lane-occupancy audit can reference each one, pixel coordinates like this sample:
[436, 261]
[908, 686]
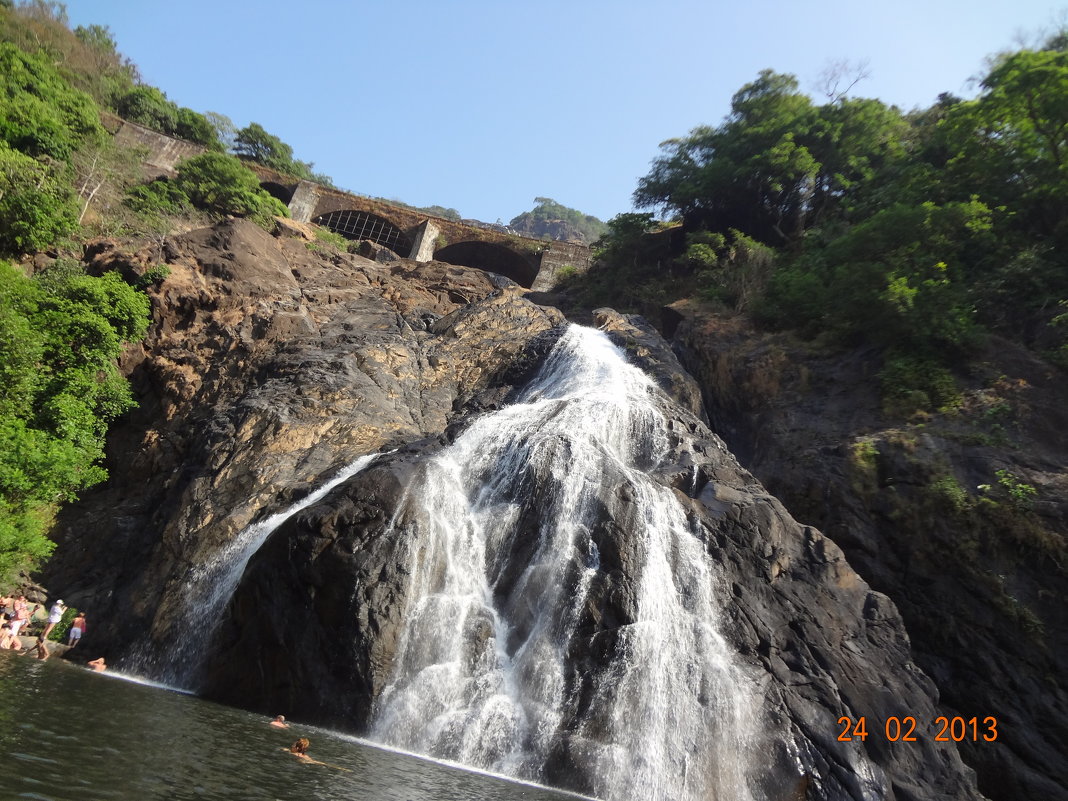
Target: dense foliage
[37, 206]
[86, 57]
[253, 143]
[44, 123]
[60, 334]
[62, 175]
[148, 106]
[852, 220]
[42, 115]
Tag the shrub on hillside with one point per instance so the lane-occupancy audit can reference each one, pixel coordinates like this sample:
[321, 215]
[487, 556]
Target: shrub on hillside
[60, 333]
[148, 106]
[36, 206]
[222, 184]
[41, 114]
[158, 197]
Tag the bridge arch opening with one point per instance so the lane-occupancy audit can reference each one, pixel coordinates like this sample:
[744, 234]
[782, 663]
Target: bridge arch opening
[276, 190]
[492, 258]
[358, 225]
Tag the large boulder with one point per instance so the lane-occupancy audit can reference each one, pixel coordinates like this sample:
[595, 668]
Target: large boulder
[268, 366]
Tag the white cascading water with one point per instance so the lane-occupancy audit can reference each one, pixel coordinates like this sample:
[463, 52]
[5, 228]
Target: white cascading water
[481, 675]
[210, 586]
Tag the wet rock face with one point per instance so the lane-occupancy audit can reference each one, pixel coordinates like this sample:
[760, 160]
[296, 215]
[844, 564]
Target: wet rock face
[267, 367]
[314, 626]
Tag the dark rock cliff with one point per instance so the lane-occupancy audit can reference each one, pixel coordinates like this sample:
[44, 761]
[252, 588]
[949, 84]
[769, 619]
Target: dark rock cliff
[269, 366]
[976, 565]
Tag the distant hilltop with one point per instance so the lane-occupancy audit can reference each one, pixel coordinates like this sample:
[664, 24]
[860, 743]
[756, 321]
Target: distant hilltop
[551, 220]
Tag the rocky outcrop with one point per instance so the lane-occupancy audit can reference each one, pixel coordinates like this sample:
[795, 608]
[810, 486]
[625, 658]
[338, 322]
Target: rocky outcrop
[974, 562]
[268, 366]
[314, 626]
[557, 230]
[271, 364]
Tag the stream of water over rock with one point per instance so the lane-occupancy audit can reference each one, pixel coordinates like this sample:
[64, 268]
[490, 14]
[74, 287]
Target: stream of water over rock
[211, 585]
[483, 674]
[504, 536]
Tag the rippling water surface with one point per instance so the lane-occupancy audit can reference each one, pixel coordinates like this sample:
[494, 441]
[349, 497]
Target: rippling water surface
[67, 734]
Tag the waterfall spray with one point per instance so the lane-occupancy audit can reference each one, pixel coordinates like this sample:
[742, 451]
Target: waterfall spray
[503, 530]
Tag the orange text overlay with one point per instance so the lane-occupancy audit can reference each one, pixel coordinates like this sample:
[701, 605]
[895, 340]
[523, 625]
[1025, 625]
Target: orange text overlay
[907, 730]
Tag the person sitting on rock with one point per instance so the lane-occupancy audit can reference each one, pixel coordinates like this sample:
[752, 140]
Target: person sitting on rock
[40, 648]
[8, 641]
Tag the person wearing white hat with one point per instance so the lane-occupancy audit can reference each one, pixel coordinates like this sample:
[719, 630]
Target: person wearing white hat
[55, 614]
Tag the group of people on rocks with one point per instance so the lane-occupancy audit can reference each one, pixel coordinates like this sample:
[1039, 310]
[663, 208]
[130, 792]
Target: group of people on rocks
[15, 613]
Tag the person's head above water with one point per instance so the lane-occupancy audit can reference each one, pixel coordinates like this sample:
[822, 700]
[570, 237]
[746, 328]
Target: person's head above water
[300, 746]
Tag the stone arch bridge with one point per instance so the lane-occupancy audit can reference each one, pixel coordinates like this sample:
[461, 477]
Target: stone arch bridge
[532, 263]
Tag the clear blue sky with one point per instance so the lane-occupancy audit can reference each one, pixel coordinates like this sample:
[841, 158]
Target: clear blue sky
[482, 105]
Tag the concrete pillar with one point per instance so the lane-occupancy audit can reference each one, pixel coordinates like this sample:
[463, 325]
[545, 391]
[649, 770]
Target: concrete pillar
[555, 257]
[305, 198]
[424, 240]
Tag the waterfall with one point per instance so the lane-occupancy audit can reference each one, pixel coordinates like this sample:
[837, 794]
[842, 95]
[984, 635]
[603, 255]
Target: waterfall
[508, 550]
[209, 587]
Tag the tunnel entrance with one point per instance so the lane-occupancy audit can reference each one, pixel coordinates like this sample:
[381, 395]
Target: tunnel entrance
[492, 258]
[277, 191]
[364, 225]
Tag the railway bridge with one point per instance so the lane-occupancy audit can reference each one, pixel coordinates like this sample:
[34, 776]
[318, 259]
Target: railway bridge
[408, 232]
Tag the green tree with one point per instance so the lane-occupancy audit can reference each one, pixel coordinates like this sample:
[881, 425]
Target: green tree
[754, 173]
[148, 106]
[41, 114]
[195, 127]
[778, 165]
[59, 387]
[220, 183]
[255, 144]
[1021, 131]
[37, 206]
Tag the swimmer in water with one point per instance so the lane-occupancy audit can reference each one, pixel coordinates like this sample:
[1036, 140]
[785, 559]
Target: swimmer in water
[98, 664]
[299, 749]
[280, 722]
